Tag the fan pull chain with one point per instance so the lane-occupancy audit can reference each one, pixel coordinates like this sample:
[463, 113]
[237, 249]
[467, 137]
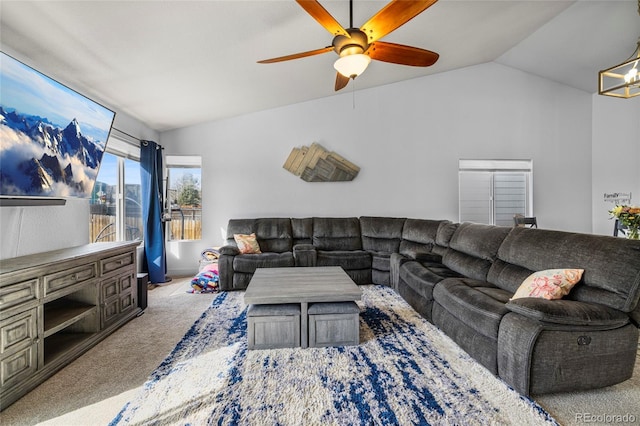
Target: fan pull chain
[353, 93]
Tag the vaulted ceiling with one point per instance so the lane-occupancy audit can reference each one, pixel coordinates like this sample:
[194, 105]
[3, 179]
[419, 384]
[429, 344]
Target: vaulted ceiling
[175, 63]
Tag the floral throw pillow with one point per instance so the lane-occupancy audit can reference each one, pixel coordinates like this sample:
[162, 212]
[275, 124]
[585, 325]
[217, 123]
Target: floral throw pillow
[549, 284]
[247, 244]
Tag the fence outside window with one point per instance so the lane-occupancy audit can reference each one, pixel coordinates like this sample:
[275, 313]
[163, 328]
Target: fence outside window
[184, 198]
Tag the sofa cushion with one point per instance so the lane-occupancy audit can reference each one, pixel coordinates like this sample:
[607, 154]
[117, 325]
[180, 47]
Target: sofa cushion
[272, 310]
[350, 259]
[422, 279]
[569, 312]
[429, 258]
[507, 276]
[419, 236]
[337, 233]
[247, 244]
[248, 263]
[381, 234]
[473, 248]
[443, 237]
[302, 230]
[470, 301]
[273, 234]
[380, 261]
[549, 284]
[611, 267]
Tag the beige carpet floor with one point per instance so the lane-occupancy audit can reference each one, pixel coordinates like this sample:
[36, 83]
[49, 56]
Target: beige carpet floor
[93, 389]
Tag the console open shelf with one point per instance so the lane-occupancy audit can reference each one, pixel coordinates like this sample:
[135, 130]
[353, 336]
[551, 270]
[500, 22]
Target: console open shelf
[57, 345]
[63, 313]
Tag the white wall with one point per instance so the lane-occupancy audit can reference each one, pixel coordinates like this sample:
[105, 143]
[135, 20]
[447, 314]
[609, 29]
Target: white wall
[616, 155]
[407, 139]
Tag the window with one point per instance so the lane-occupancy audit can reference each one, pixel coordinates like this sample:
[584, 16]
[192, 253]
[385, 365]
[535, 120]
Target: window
[494, 191]
[184, 197]
[115, 205]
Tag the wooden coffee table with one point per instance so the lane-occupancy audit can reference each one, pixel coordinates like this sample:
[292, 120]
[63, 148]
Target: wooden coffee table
[301, 285]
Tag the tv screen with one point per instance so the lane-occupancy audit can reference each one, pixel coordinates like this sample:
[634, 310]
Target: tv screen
[52, 138]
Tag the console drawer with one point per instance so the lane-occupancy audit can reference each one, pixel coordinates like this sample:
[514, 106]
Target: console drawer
[114, 263]
[15, 368]
[68, 277]
[18, 293]
[19, 330]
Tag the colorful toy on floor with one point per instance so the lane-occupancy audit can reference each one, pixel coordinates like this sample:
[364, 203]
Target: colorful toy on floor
[206, 281]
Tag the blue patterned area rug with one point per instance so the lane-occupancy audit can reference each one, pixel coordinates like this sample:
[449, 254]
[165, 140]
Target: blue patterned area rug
[404, 372]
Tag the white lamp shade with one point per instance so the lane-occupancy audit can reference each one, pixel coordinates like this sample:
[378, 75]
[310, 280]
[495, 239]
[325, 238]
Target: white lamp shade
[352, 66]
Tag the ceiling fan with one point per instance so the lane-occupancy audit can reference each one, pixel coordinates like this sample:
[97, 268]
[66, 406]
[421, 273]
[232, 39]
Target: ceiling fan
[358, 46]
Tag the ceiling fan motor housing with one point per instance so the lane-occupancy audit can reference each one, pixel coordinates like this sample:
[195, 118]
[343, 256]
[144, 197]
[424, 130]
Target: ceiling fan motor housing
[357, 43]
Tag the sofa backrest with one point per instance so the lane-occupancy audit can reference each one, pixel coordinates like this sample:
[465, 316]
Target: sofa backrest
[419, 236]
[341, 233]
[381, 234]
[473, 249]
[302, 230]
[273, 234]
[444, 235]
[611, 265]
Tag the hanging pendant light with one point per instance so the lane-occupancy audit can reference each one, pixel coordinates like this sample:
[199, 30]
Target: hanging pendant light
[623, 80]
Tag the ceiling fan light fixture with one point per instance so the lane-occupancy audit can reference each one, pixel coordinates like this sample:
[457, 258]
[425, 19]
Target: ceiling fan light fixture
[352, 66]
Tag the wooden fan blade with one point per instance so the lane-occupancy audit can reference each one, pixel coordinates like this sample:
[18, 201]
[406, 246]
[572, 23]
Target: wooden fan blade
[341, 81]
[393, 15]
[401, 54]
[321, 15]
[297, 55]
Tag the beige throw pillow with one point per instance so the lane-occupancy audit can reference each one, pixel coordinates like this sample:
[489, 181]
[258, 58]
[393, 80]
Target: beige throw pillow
[247, 244]
[549, 284]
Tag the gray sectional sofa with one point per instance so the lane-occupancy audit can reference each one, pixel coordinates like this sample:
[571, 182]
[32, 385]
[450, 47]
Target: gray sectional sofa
[461, 278]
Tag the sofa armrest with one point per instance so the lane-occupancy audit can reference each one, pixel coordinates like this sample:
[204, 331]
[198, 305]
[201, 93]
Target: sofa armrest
[395, 262]
[305, 255]
[568, 312]
[229, 250]
[225, 266]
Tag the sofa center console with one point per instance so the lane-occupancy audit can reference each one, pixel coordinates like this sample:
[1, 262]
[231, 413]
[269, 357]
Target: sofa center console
[54, 306]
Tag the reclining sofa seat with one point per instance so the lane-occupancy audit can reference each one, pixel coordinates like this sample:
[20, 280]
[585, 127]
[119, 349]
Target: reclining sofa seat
[287, 242]
[381, 237]
[467, 307]
[275, 238]
[338, 242]
[585, 340]
[418, 265]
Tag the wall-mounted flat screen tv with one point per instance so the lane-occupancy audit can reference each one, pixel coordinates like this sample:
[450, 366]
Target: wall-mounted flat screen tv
[52, 137]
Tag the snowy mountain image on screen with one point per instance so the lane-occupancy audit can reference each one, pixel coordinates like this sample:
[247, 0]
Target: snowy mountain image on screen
[40, 158]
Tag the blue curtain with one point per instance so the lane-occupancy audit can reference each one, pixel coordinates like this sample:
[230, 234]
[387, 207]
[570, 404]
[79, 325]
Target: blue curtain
[155, 258]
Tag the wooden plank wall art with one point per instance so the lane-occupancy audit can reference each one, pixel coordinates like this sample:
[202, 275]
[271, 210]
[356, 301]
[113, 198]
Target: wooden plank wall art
[316, 164]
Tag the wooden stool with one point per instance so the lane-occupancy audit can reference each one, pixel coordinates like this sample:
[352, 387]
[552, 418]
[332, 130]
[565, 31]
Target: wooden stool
[334, 324]
[273, 326]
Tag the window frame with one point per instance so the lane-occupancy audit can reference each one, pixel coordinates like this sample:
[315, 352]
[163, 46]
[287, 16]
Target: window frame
[179, 161]
[123, 151]
[492, 168]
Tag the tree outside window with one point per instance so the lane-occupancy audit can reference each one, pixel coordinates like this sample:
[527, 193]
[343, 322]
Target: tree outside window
[184, 196]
